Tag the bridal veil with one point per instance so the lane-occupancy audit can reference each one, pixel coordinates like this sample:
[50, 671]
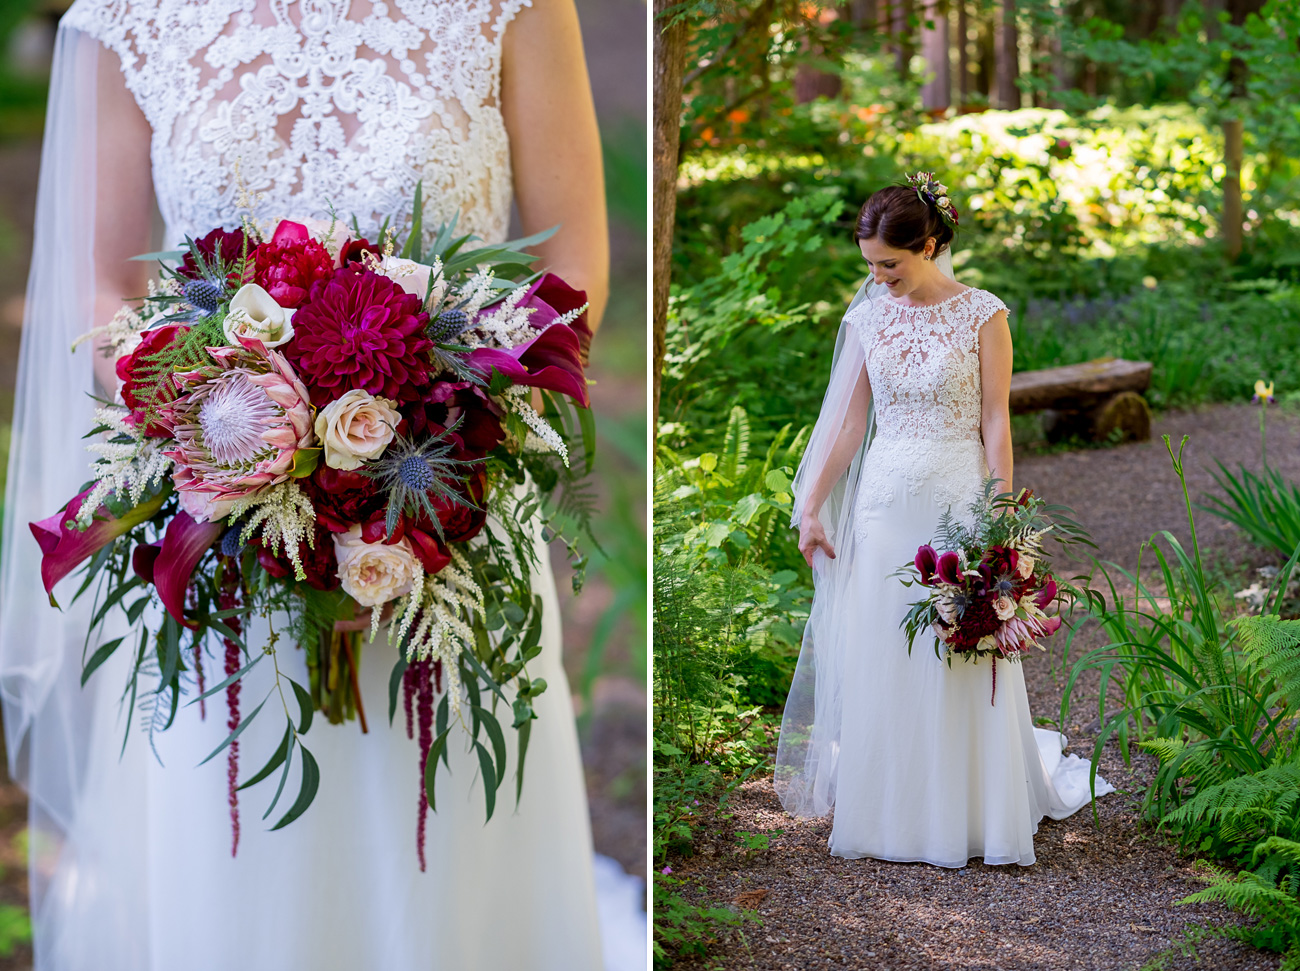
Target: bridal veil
[808, 752]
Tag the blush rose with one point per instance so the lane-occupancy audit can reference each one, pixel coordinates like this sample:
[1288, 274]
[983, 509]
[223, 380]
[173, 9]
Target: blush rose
[356, 427]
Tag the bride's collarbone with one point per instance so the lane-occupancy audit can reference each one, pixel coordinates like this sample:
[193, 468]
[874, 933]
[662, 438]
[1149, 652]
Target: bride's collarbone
[935, 300]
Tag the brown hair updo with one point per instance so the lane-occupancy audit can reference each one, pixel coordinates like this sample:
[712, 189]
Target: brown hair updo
[898, 217]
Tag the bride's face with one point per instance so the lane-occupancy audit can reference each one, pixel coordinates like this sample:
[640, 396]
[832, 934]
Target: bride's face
[898, 269]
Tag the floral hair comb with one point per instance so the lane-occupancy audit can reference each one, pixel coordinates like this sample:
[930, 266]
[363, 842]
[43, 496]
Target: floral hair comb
[934, 193]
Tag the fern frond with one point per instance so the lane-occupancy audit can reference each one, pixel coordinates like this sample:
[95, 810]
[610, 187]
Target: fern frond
[1274, 644]
[735, 444]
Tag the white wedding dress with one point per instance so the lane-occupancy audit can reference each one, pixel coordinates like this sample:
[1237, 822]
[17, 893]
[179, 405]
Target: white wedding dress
[915, 760]
[314, 101]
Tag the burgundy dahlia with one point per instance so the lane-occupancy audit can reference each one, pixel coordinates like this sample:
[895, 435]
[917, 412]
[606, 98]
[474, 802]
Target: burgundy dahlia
[361, 330]
[979, 620]
[462, 521]
[290, 265]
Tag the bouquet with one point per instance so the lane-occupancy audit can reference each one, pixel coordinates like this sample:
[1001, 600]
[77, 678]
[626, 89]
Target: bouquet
[989, 591]
[333, 434]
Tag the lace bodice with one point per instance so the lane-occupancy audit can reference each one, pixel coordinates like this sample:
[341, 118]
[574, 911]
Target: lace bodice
[924, 368]
[313, 103]
[923, 364]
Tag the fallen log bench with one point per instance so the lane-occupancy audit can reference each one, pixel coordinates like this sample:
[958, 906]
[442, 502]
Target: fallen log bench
[1090, 400]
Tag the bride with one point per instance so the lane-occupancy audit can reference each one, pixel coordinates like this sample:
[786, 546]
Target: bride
[300, 104]
[916, 762]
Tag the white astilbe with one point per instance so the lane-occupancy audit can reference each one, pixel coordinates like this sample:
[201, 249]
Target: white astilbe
[122, 333]
[126, 469]
[447, 603]
[542, 437]
[476, 292]
[285, 517]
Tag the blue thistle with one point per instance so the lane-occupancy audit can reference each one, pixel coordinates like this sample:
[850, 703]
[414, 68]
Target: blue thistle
[205, 295]
[230, 544]
[415, 475]
[448, 325]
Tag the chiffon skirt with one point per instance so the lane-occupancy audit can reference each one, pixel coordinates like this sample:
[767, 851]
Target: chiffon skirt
[145, 880]
[928, 770]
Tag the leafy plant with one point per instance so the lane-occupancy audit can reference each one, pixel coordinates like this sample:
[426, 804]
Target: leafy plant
[1191, 694]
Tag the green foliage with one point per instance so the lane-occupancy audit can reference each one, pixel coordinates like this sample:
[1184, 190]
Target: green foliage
[15, 928]
[683, 929]
[1216, 698]
[684, 795]
[1265, 505]
[1191, 693]
[730, 332]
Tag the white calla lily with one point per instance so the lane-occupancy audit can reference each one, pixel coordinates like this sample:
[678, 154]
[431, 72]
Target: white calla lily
[254, 314]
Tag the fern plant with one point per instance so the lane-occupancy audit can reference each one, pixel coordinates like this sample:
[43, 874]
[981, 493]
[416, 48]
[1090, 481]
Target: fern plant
[1193, 693]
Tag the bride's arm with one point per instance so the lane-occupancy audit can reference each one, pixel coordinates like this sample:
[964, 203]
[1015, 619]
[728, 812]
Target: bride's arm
[123, 220]
[812, 535]
[555, 146]
[995, 392]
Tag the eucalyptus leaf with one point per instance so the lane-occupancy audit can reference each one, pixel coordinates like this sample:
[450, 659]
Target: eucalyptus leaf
[277, 759]
[307, 792]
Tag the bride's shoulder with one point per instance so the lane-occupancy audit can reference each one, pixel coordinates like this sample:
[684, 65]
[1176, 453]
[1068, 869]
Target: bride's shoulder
[981, 304]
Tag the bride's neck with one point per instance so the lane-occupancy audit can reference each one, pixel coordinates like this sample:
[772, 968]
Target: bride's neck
[933, 289]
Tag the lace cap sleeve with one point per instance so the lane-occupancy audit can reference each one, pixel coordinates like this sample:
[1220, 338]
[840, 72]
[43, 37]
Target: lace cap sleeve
[981, 307]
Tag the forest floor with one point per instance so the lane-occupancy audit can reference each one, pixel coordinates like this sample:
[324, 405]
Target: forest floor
[1101, 895]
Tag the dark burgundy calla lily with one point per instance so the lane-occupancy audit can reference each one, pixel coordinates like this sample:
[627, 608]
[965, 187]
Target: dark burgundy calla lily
[552, 293]
[1001, 560]
[143, 559]
[1046, 594]
[550, 360]
[183, 546]
[554, 358]
[66, 546]
[948, 569]
[926, 560]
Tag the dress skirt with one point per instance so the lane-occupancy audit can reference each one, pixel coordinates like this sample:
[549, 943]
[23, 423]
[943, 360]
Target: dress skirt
[928, 769]
[145, 881]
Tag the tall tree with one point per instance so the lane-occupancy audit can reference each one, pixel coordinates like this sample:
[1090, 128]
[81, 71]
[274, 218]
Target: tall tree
[669, 62]
[936, 94]
[1006, 48]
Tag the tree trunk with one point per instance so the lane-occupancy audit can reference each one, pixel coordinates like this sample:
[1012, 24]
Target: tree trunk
[669, 61]
[963, 55]
[899, 13]
[1007, 55]
[1232, 207]
[936, 95]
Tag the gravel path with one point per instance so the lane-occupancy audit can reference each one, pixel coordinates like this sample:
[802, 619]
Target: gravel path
[1100, 896]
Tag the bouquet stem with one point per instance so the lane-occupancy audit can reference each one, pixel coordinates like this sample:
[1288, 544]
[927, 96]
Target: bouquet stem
[352, 673]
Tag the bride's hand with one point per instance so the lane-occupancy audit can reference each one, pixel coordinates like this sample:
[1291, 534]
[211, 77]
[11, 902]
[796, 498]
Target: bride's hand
[362, 620]
[812, 536]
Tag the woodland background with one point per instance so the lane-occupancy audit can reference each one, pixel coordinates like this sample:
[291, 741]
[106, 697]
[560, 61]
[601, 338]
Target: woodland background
[1127, 180]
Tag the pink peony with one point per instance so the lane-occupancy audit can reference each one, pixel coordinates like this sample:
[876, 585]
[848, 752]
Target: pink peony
[239, 423]
[361, 331]
[290, 265]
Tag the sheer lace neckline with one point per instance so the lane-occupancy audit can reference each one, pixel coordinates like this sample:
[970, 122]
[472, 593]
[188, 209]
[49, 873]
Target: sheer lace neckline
[928, 306]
